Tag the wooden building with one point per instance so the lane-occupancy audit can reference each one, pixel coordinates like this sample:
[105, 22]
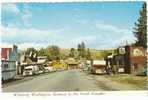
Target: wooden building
[135, 59]
[129, 59]
[9, 62]
[72, 63]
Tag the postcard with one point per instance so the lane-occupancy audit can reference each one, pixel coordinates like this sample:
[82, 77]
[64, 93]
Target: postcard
[73, 47]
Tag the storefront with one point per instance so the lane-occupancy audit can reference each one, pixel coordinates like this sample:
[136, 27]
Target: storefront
[135, 59]
[129, 59]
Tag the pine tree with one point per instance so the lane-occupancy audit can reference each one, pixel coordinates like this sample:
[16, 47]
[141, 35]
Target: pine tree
[79, 50]
[140, 29]
[72, 52]
[88, 54]
[83, 50]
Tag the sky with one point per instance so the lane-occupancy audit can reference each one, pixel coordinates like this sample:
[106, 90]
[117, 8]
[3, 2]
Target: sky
[100, 25]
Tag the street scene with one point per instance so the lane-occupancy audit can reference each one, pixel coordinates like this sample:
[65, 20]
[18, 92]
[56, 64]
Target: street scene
[89, 46]
[70, 80]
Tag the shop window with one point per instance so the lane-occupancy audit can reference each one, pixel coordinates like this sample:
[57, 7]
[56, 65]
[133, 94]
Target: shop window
[5, 66]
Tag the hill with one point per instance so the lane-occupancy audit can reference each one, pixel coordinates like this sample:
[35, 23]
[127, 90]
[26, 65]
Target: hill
[95, 54]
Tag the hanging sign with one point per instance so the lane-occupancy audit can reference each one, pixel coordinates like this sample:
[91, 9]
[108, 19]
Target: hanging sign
[137, 52]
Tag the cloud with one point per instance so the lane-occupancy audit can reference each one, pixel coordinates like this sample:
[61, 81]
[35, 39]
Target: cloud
[10, 7]
[105, 26]
[36, 38]
[87, 39]
[17, 35]
[3, 45]
[26, 15]
[105, 36]
[82, 21]
[31, 37]
[114, 36]
[94, 33]
[24, 46]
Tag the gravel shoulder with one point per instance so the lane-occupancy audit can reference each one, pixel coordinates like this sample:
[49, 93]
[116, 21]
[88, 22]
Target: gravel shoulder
[120, 82]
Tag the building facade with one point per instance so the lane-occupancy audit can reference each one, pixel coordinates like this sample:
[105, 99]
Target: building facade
[129, 59]
[9, 62]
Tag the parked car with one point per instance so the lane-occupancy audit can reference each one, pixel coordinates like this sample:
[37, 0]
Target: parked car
[31, 70]
[49, 69]
[40, 71]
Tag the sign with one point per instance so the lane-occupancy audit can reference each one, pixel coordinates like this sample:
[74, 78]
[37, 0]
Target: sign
[137, 52]
[122, 50]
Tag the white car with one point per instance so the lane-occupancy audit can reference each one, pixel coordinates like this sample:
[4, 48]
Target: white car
[40, 71]
[31, 70]
[49, 69]
[27, 71]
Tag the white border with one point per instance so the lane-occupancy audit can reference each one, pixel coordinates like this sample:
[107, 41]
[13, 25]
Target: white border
[136, 95]
[5, 1]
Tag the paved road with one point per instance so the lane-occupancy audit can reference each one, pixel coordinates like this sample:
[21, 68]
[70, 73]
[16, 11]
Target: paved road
[70, 80]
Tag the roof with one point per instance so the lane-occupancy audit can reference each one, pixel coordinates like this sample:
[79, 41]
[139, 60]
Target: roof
[99, 62]
[6, 50]
[71, 61]
[42, 57]
[31, 66]
[41, 61]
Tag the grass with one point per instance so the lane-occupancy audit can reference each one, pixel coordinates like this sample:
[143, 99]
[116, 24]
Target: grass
[139, 81]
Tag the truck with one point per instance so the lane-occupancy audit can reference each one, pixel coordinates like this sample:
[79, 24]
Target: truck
[31, 70]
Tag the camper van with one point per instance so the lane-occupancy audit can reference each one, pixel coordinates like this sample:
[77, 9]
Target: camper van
[31, 70]
[98, 67]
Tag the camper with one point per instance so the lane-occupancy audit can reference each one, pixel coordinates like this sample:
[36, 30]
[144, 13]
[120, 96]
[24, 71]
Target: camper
[98, 67]
[31, 70]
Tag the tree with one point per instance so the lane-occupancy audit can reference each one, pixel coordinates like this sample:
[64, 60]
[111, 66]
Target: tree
[31, 52]
[45, 52]
[79, 50]
[42, 52]
[140, 29]
[83, 50]
[72, 52]
[88, 54]
[54, 52]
